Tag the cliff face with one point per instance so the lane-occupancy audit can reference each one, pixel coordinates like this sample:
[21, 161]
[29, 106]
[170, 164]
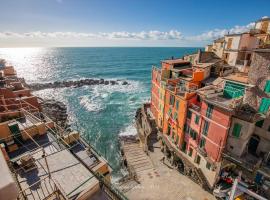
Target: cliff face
[146, 127]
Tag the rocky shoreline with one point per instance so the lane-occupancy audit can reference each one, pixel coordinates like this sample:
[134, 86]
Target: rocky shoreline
[55, 110]
[77, 83]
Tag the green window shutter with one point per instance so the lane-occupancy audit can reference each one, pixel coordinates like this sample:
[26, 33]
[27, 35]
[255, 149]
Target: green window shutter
[189, 114]
[264, 107]
[190, 152]
[259, 123]
[175, 116]
[205, 128]
[170, 111]
[209, 110]
[202, 142]
[177, 105]
[197, 119]
[237, 130]
[267, 86]
[208, 165]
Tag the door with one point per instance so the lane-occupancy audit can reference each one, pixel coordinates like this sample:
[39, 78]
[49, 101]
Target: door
[253, 144]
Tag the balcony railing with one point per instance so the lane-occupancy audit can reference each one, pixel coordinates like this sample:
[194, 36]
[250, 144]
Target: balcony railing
[243, 62]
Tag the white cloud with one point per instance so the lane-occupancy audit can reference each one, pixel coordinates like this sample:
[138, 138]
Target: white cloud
[217, 33]
[153, 37]
[150, 35]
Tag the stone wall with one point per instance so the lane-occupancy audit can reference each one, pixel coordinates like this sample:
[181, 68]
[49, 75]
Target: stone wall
[258, 74]
[146, 127]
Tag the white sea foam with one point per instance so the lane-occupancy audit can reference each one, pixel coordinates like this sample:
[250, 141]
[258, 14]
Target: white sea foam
[129, 130]
[89, 104]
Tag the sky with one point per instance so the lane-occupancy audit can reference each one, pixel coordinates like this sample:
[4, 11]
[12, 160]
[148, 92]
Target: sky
[180, 23]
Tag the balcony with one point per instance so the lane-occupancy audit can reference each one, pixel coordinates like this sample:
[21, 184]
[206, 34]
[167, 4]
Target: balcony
[244, 63]
[202, 151]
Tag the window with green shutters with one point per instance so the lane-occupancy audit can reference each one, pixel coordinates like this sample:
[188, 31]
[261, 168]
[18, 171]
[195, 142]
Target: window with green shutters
[175, 116]
[170, 112]
[202, 143]
[209, 110]
[259, 123]
[237, 130]
[190, 152]
[189, 114]
[193, 134]
[172, 100]
[208, 165]
[267, 86]
[264, 107]
[205, 128]
[176, 104]
[197, 118]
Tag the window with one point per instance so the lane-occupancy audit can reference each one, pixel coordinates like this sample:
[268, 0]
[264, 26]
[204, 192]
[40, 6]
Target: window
[177, 105]
[264, 107]
[193, 134]
[171, 99]
[197, 118]
[198, 159]
[190, 152]
[186, 128]
[208, 165]
[205, 128]
[170, 112]
[267, 86]
[259, 123]
[173, 134]
[209, 110]
[229, 44]
[236, 130]
[184, 146]
[189, 114]
[177, 139]
[169, 130]
[175, 116]
[202, 142]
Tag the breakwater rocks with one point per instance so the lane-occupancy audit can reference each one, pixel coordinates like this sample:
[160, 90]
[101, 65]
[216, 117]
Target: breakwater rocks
[77, 83]
[55, 110]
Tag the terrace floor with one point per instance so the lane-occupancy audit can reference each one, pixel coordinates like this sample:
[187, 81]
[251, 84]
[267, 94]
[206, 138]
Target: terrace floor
[161, 181]
[66, 171]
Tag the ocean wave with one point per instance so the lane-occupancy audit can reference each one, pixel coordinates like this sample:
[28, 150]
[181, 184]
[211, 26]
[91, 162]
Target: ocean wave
[129, 130]
[89, 104]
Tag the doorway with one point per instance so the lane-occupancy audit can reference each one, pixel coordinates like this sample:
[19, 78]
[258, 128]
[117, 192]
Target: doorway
[253, 144]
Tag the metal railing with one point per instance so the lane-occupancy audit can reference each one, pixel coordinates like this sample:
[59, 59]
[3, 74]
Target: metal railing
[47, 187]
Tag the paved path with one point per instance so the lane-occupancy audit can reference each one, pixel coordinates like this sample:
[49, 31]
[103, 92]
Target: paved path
[163, 182]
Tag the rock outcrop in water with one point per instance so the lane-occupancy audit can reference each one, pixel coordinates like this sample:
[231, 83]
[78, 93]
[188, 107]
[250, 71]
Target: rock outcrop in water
[55, 110]
[77, 83]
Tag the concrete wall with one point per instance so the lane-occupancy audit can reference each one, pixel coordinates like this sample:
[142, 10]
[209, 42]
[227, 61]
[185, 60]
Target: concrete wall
[235, 41]
[232, 58]
[247, 42]
[237, 146]
[219, 122]
[218, 49]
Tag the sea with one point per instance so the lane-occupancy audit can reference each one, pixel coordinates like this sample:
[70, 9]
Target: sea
[100, 112]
